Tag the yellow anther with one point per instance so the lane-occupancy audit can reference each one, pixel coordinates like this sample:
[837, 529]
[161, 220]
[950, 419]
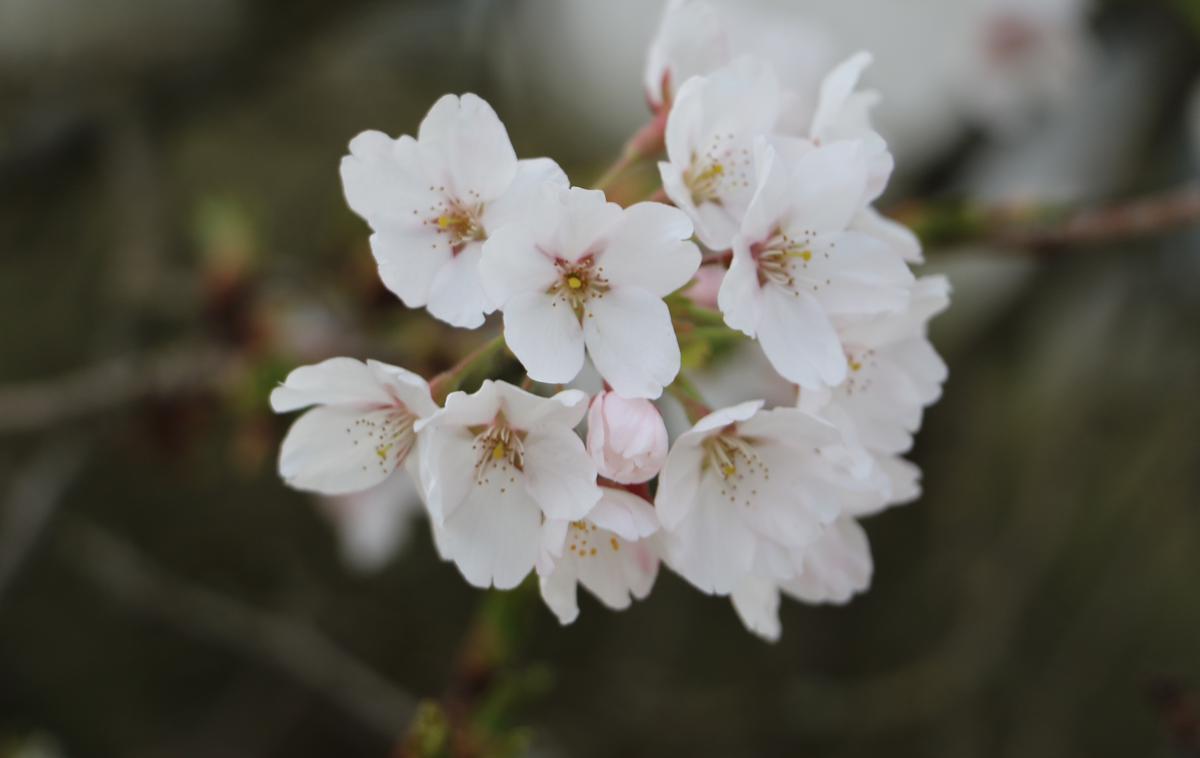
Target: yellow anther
[574, 282]
[499, 451]
[728, 471]
[445, 221]
[855, 365]
[382, 451]
[806, 255]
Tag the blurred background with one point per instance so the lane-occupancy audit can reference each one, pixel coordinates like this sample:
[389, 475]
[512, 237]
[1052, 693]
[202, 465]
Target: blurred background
[173, 240]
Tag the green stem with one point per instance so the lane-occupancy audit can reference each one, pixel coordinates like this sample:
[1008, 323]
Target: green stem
[689, 397]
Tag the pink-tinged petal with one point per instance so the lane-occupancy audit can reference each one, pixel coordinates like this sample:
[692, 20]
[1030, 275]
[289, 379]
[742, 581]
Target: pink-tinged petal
[837, 567]
[544, 333]
[409, 261]
[456, 294]
[494, 535]
[559, 475]
[615, 574]
[624, 514]
[446, 470]
[336, 449]
[756, 600]
[514, 264]
[471, 141]
[374, 524]
[331, 382]
[632, 342]
[904, 478]
[685, 125]
[791, 426]
[525, 201]
[409, 388]
[799, 341]
[650, 248]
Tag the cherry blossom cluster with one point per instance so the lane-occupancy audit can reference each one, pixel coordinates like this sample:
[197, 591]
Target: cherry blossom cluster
[770, 213]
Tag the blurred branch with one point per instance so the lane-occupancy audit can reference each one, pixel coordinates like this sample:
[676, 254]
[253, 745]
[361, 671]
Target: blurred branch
[121, 570]
[1040, 229]
[35, 494]
[109, 384]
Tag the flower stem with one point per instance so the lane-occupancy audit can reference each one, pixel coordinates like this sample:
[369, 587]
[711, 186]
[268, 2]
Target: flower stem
[689, 397]
[646, 143]
[450, 379]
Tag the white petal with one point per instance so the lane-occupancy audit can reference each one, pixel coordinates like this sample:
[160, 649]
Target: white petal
[473, 144]
[330, 382]
[712, 547]
[650, 249]
[373, 524]
[559, 474]
[524, 203]
[462, 410]
[624, 514]
[409, 388]
[447, 470]
[678, 483]
[409, 260]
[456, 294]
[618, 571]
[854, 274]
[333, 449]
[828, 188]
[835, 568]
[494, 535]
[835, 90]
[586, 220]
[799, 341]
[513, 264]
[558, 588]
[385, 178]
[527, 411]
[756, 600]
[545, 335]
[895, 235]
[740, 296]
[631, 340]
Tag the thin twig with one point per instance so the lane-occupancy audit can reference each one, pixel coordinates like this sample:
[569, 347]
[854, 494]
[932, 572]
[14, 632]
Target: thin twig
[121, 570]
[35, 494]
[106, 385]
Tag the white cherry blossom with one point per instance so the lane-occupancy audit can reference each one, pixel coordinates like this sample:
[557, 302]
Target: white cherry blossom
[372, 525]
[361, 429]
[743, 487]
[433, 200]
[832, 569]
[710, 137]
[496, 464]
[797, 264]
[585, 272]
[610, 552]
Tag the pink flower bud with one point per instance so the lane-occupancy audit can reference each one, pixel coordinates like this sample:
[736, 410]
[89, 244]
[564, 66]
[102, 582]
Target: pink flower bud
[708, 283]
[627, 439]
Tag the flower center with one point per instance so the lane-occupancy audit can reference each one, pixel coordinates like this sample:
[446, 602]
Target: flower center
[785, 261]
[578, 282]
[734, 460]
[583, 541]
[392, 437]
[499, 451]
[460, 222]
[719, 170]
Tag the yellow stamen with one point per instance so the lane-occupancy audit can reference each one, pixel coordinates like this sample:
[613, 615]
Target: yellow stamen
[728, 471]
[574, 282]
[855, 365]
[499, 451]
[382, 451]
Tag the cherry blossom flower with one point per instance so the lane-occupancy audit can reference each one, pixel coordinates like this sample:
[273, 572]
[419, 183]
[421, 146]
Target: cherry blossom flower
[710, 137]
[832, 569]
[797, 264]
[626, 438]
[585, 272]
[497, 463]
[745, 485]
[372, 525]
[609, 552]
[361, 429]
[433, 200]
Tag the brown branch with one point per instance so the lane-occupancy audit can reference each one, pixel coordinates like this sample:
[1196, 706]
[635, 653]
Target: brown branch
[124, 572]
[112, 383]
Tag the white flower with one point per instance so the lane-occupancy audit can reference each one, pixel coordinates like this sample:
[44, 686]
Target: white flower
[743, 486]
[842, 113]
[894, 374]
[372, 525]
[494, 465]
[626, 438]
[690, 41]
[361, 430]
[710, 137]
[585, 272]
[797, 264]
[608, 552]
[433, 200]
[835, 567]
